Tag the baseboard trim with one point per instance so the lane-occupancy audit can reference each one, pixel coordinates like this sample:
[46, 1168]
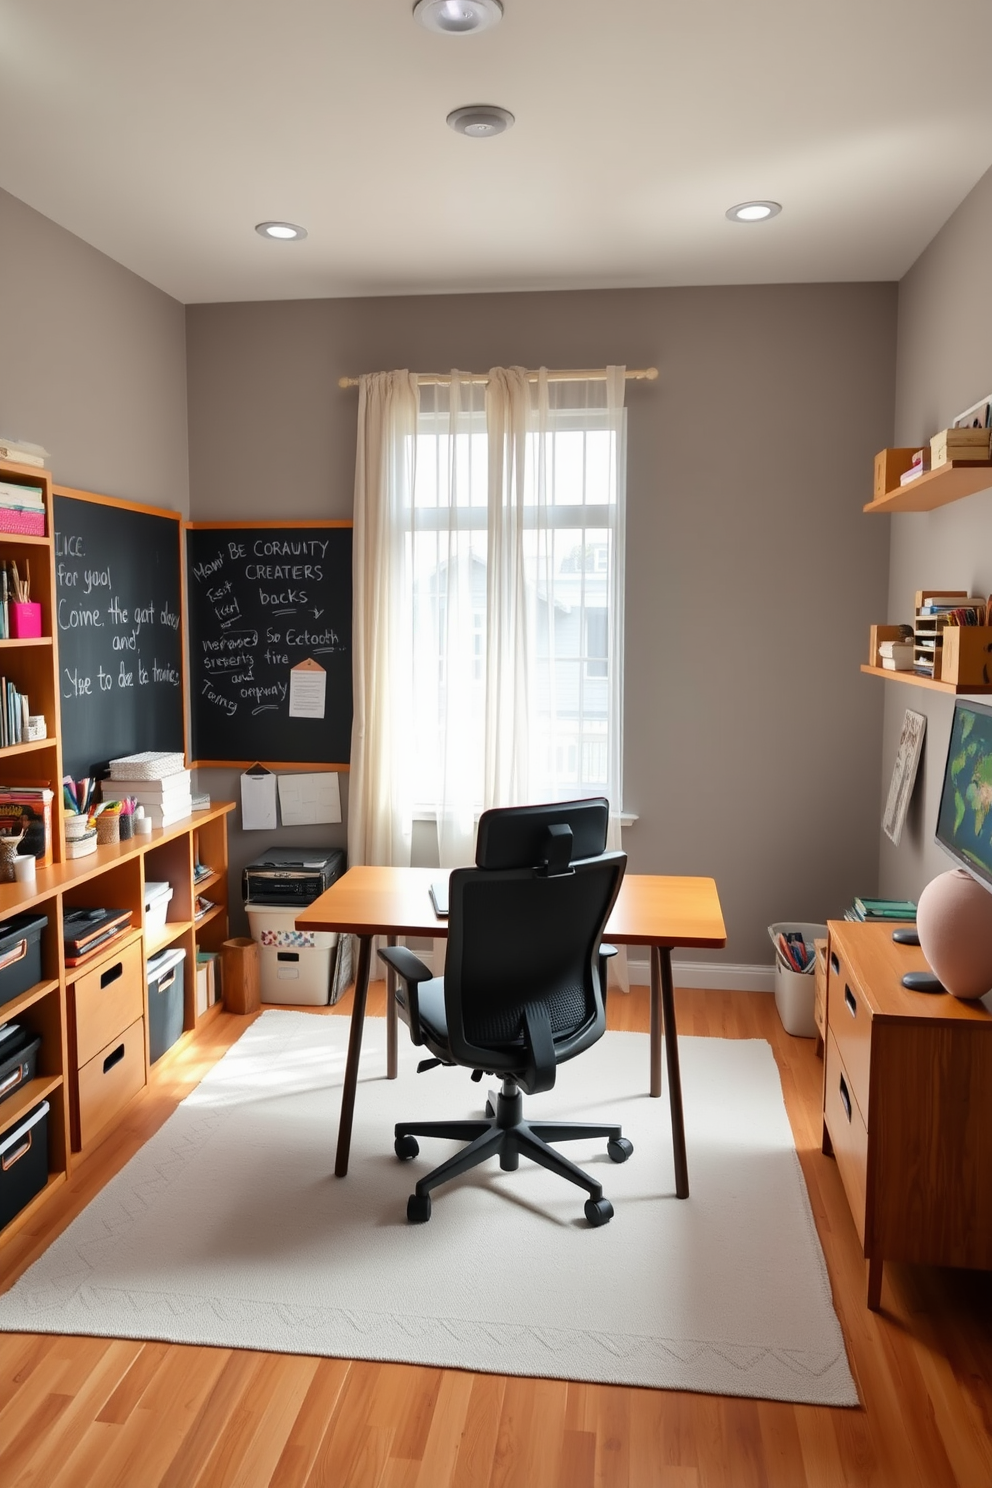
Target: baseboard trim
[721, 976]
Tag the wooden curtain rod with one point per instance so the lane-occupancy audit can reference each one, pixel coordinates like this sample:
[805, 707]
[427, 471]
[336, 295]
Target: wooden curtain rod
[597, 374]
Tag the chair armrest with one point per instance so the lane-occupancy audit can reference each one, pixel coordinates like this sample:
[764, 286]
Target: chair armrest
[411, 972]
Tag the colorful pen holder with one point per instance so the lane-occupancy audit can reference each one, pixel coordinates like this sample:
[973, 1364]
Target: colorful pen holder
[108, 827]
[25, 621]
[126, 821]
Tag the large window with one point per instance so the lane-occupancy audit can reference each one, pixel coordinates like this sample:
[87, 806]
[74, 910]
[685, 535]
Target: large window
[560, 631]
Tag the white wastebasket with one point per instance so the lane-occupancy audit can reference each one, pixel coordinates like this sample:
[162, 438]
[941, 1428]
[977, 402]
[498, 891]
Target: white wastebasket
[295, 966]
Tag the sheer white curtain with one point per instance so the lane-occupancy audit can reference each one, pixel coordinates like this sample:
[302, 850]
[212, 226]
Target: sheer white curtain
[489, 541]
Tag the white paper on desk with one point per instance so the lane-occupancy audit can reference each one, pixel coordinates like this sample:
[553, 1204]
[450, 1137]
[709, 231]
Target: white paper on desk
[258, 801]
[307, 690]
[307, 799]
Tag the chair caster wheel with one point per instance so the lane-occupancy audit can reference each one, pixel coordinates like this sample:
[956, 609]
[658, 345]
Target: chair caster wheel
[406, 1147]
[418, 1210]
[598, 1212]
[619, 1149]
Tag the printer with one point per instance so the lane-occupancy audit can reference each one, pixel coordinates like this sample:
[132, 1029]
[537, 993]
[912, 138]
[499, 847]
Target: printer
[291, 877]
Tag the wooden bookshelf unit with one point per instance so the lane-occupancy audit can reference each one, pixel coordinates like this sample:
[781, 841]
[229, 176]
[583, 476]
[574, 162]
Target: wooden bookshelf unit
[79, 1034]
[951, 482]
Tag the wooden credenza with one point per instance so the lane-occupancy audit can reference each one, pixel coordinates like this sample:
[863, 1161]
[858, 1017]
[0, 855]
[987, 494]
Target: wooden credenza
[907, 1107]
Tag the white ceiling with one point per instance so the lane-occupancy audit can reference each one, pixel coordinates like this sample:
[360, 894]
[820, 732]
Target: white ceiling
[162, 132]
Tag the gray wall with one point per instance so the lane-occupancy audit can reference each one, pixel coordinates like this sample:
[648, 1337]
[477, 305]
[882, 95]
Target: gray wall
[752, 741]
[93, 364]
[944, 364]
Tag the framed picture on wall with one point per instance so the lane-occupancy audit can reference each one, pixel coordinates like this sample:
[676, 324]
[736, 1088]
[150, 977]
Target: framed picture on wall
[914, 726]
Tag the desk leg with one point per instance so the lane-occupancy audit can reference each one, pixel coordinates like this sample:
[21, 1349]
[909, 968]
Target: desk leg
[664, 956]
[391, 1018]
[354, 1055]
[656, 1029]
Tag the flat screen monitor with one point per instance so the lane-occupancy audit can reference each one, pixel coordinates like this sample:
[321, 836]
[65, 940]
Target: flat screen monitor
[516, 836]
[964, 819]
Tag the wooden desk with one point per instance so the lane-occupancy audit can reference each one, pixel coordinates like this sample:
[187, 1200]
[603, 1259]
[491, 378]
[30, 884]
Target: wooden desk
[660, 912]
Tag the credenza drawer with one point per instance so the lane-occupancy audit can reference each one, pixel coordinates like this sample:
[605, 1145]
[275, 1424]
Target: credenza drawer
[109, 1080]
[849, 1020]
[848, 1132]
[107, 1000]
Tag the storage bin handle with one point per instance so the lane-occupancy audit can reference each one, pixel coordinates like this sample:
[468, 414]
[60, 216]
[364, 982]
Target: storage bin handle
[167, 981]
[12, 1081]
[10, 1158]
[112, 1059]
[16, 953]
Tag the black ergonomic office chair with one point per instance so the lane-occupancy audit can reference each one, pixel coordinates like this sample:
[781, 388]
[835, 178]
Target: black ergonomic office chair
[523, 988]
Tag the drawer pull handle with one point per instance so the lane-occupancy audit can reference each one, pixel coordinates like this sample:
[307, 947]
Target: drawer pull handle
[834, 962]
[850, 1002]
[10, 1158]
[845, 1097]
[113, 1059]
[12, 1081]
[287, 955]
[111, 974]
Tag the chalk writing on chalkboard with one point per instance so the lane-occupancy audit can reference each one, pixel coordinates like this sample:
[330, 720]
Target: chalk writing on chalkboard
[270, 642]
[118, 613]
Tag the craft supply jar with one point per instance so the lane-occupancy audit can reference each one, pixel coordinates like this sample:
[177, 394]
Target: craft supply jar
[126, 826]
[108, 828]
[76, 826]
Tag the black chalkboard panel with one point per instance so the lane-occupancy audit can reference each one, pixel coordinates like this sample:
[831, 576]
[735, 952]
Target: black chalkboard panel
[270, 642]
[118, 585]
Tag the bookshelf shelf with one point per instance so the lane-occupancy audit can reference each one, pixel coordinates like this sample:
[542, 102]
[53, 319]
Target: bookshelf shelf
[915, 680]
[937, 488]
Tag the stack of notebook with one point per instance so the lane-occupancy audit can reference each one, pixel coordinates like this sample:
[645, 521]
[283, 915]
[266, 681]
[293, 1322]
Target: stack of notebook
[86, 930]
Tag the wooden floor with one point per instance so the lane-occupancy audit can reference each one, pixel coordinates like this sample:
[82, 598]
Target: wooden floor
[78, 1411]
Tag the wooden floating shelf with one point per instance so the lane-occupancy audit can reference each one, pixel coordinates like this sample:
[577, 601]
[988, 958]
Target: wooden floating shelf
[937, 488]
[915, 680]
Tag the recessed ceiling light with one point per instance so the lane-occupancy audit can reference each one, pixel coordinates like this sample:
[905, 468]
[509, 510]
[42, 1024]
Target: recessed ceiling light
[285, 231]
[754, 211]
[479, 120]
[456, 17]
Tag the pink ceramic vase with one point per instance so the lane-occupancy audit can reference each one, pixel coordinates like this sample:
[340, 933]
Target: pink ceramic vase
[954, 921]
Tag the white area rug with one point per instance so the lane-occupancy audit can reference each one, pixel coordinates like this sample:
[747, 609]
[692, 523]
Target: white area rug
[229, 1228]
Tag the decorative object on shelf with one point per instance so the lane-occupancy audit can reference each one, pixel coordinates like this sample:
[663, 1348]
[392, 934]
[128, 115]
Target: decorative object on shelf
[81, 847]
[954, 921]
[77, 825]
[25, 869]
[37, 728]
[914, 727]
[978, 416]
[8, 852]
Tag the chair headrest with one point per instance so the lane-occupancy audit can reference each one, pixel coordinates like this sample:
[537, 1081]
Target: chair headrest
[519, 836]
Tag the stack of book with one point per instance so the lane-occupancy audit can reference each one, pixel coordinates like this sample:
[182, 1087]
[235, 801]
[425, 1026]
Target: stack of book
[156, 782]
[22, 509]
[934, 611]
[14, 714]
[881, 910]
[949, 445]
[896, 656]
[21, 453]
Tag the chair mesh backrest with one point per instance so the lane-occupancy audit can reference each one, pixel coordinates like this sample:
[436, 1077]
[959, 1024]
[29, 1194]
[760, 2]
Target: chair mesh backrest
[517, 937]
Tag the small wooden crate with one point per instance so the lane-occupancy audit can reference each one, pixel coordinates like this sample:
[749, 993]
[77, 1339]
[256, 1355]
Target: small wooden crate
[890, 464]
[966, 655]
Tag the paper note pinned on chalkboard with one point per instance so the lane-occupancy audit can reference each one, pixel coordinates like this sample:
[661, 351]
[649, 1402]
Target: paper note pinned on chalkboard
[307, 690]
[305, 800]
[258, 799]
